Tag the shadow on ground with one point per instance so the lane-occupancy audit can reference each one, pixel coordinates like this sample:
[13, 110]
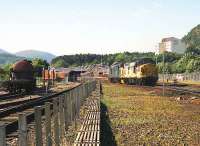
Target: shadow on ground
[107, 137]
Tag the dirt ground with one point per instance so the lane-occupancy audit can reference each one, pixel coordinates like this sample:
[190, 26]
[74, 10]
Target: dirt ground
[134, 116]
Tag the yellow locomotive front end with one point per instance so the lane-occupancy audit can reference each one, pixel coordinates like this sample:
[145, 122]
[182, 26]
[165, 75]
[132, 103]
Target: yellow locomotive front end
[147, 74]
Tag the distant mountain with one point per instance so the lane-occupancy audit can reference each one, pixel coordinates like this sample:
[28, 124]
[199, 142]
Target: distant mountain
[36, 54]
[3, 51]
[6, 58]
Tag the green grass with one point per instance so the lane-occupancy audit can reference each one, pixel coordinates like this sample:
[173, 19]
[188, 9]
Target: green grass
[139, 116]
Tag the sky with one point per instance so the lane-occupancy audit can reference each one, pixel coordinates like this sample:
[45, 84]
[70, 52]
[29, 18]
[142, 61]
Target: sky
[90, 26]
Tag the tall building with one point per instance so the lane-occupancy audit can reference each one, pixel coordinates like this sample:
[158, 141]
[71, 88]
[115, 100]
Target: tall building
[172, 44]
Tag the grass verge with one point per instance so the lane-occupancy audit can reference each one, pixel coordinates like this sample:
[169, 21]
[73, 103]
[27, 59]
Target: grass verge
[139, 116]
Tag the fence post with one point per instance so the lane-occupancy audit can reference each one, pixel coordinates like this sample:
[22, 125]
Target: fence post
[70, 106]
[22, 129]
[72, 100]
[66, 113]
[86, 90]
[48, 123]
[61, 118]
[75, 99]
[82, 94]
[74, 104]
[78, 100]
[83, 91]
[2, 134]
[56, 127]
[38, 126]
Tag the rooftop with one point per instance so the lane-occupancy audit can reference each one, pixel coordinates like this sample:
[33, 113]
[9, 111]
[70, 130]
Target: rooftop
[169, 39]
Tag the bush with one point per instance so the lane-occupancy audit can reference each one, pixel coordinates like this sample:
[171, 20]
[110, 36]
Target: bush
[193, 65]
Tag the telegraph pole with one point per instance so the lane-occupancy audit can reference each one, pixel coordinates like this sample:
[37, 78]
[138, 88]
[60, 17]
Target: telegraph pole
[156, 54]
[163, 73]
[101, 56]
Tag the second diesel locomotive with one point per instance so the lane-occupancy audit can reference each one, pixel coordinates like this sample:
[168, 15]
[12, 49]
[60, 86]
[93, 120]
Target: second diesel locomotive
[140, 72]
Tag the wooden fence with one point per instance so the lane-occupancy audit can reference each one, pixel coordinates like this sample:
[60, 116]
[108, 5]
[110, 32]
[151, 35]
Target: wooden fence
[52, 120]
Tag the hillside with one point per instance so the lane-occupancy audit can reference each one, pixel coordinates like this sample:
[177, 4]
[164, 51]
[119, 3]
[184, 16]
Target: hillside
[6, 58]
[192, 39]
[36, 54]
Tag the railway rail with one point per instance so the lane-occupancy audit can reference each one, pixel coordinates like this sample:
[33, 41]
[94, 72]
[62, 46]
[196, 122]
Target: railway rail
[16, 101]
[177, 88]
[6, 96]
[181, 89]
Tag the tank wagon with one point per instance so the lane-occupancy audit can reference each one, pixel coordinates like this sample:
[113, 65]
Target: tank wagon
[21, 78]
[140, 72]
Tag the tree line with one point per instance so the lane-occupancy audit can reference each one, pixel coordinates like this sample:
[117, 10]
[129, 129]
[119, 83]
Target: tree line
[174, 63]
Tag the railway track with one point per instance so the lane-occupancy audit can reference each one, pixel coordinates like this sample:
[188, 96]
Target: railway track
[177, 88]
[181, 89]
[8, 96]
[16, 101]
[2, 95]
[10, 100]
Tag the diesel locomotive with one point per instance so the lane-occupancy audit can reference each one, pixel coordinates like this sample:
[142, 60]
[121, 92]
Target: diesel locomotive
[140, 72]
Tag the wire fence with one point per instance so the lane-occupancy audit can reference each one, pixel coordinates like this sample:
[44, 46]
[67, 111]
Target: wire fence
[195, 76]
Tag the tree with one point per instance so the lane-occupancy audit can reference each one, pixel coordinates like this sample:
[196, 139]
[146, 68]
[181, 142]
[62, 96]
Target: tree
[193, 65]
[120, 57]
[193, 51]
[5, 71]
[169, 57]
[38, 65]
[182, 63]
[167, 67]
[59, 63]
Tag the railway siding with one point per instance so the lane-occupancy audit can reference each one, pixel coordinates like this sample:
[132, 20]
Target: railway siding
[66, 103]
